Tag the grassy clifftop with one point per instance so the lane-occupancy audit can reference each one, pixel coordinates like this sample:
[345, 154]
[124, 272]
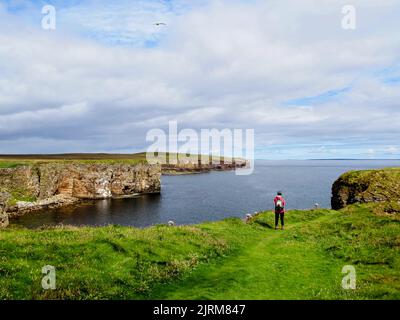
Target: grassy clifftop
[366, 186]
[223, 260]
[12, 161]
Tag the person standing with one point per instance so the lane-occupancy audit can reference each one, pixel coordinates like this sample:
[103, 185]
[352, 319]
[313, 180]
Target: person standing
[279, 202]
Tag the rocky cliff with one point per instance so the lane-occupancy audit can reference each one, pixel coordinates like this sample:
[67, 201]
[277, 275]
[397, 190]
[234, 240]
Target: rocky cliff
[4, 197]
[51, 184]
[191, 168]
[366, 186]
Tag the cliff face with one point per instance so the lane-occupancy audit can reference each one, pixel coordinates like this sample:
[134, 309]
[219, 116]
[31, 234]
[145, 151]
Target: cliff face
[188, 168]
[4, 197]
[366, 186]
[20, 180]
[97, 181]
[50, 183]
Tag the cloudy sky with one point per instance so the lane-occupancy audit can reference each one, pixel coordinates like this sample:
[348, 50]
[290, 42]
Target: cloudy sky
[285, 68]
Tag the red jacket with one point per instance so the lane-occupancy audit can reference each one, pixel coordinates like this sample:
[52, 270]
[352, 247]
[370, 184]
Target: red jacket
[283, 202]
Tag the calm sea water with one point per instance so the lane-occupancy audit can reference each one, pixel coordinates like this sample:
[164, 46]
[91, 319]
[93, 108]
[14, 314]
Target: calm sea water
[212, 196]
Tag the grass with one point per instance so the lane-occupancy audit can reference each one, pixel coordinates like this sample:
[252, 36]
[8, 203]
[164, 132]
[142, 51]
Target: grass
[20, 195]
[12, 161]
[355, 176]
[373, 184]
[303, 262]
[98, 263]
[17, 163]
[221, 260]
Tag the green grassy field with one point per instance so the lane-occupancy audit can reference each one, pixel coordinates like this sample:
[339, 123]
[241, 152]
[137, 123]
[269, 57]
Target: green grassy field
[12, 161]
[221, 260]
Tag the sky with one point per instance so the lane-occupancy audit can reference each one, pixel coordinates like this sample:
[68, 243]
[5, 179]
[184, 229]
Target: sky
[287, 69]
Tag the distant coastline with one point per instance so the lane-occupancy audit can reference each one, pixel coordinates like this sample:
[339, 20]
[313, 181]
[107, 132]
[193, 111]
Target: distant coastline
[355, 159]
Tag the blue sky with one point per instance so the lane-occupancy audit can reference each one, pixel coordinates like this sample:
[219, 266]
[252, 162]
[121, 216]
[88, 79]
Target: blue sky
[107, 75]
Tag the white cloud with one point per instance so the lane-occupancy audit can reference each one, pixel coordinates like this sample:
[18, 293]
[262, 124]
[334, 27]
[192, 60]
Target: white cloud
[50, 118]
[393, 150]
[227, 64]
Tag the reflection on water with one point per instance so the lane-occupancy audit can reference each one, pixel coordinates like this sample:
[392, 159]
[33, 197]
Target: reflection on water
[100, 212]
[191, 199]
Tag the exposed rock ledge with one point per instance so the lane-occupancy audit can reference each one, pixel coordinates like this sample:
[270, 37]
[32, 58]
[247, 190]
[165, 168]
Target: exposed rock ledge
[192, 168]
[366, 186]
[48, 185]
[4, 197]
[56, 201]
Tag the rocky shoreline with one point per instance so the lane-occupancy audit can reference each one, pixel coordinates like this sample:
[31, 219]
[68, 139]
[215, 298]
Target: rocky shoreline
[190, 168]
[51, 185]
[39, 186]
[57, 201]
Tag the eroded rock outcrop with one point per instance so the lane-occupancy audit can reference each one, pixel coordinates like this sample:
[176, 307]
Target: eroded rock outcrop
[55, 184]
[4, 197]
[52, 202]
[189, 167]
[366, 186]
[98, 181]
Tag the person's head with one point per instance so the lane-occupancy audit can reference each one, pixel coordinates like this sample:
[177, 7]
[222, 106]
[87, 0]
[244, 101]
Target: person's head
[279, 193]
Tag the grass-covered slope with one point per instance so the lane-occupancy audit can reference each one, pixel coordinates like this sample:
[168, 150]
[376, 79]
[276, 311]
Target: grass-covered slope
[221, 260]
[363, 186]
[12, 161]
[94, 263]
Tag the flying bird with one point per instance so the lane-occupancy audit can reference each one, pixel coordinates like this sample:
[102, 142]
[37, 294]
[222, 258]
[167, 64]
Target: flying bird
[160, 24]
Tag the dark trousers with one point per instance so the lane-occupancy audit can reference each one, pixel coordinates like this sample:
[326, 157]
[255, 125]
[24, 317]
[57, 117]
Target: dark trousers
[282, 216]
